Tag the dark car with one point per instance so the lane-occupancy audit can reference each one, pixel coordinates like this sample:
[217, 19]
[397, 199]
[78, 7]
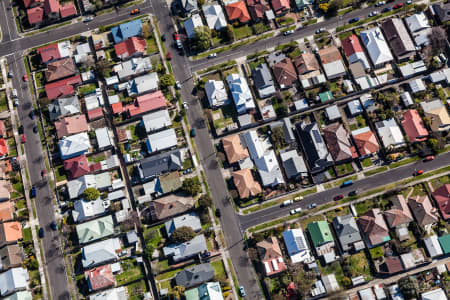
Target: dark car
[169, 56]
[218, 213]
[31, 114]
[206, 254]
[41, 232]
[53, 226]
[386, 9]
[193, 132]
[354, 20]
[35, 129]
[33, 191]
[163, 37]
[338, 197]
[353, 193]
[21, 129]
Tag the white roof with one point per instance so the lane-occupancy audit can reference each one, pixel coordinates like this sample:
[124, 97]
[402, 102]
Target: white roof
[214, 16]
[417, 22]
[254, 144]
[440, 75]
[268, 112]
[407, 99]
[190, 220]
[376, 45]
[21, 295]
[83, 48]
[437, 294]
[143, 84]
[390, 133]
[65, 49]
[361, 57]
[77, 186]
[242, 96]
[431, 105]
[334, 69]
[162, 140]
[103, 138]
[112, 294]
[421, 37]
[192, 23]
[379, 292]
[83, 209]
[433, 246]
[93, 100]
[330, 283]
[269, 169]
[417, 85]
[113, 99]
[216, 92]
[12, 280]
[73, 144]
[156, 120]
[366, 294]
[133, 67]
[112, 80]
[410, 69]
[395, 293]
[87, 76]
[333, 112]
[100, 252]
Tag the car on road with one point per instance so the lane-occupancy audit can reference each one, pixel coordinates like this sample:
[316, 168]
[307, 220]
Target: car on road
[373, 13]
[43, 173]
[25, 77]
[380, 3]
[135, 11]
[296, 211]
[320, 30]
[312, 205]
[185, 105]
[398, 5]
[386, 9]
[353, 193]
[429, 157]
[338, 197]
[176, 36]
[218, 213]
[31, 115]
[88, 19]
[242, 291]
[163, 37]
[347, 183]
[23, 138]
[35, 129]
[14, 93]
[408, 2]
[177, 85]
[10, 74]
[212, 55]
[16, 102]
[206, 254]
[418, 172]
[21, 129]
[33, 192]
[41, 232]
[288, 32]
[287, 203]
[53, 226]
[187, 171]
[353, 20]
[169, 56]
[192, 132]
[298, 198]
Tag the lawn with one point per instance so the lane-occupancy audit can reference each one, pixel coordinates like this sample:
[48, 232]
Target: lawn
[12, 149]
[403, 162]
[358, 265]
[219, 268]
[60, 173]
[152, 47]
[341, 211]
[333, 268]
[27, 235]
[367, 162]
[131, 271]
[418, 191]
[376, 252]
[341, 181]
[436, 183]
[18, 187]
[344, 168]
[169, 274]
[39, 78]
[253, 64]
[163, 265]
[3, 101]
[375, 171]
[20, 204]
[86, 89]
[135, 290]
[153, 235]
[362, 207]
[242, 32]
[304, 223]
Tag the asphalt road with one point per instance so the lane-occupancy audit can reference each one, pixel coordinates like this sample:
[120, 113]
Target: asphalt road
[362, 185]
[51, 242]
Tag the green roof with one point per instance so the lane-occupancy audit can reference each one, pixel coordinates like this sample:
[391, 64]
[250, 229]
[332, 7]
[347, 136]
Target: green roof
[320, 233]
[445, 243]
[325, 96]
[95, 229]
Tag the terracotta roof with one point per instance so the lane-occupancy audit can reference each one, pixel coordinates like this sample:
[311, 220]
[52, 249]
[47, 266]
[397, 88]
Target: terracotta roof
[245, 184]
[29, 3]
[338, 142]
[48, 53]
[2, 128]
[280, 5]
[351, 45]
[329, 54]
[71, 125]
[233, 148]
[62, 87]
[284, 72]
[399, 213]
[95, 113]
[4, 189]
[257, 8]
[67, 10]
[269, 251]
[424, 212]
[100, 277]
[35, 15]
[122, 135]
[374, 227]
[6, 211]
[366, 143]
[414, 127]
[130, 46]
[146, 103]
[77, 166]
[391, 265]
[117, 108]
[51, 6]
[442, 197]
[3, 147]
[10, 232]
[237, 11]
[171, 205]
[60, 69]
[306, 63]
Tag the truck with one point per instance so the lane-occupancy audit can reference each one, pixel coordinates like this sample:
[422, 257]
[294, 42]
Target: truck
[347, 183]
[287, 202]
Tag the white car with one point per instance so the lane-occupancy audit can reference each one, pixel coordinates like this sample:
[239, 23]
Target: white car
[296, 211]
[88, 19]
[185, 105]
[320, 30]
[177, 85]
[408, 2]
[288, 32]
[380, 3]
[374, 13]
[212, 55]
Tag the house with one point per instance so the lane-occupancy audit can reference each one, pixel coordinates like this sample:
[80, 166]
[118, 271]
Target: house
[399, 213]
[67, 10]
[161, 140]
[158, 164]
[332, 62]
[263, 81]
[133, 67]
[365, 141]
[268, 112]
[237, 11]
[186, 250]
[100, 253]
[442, 197]
[242, 96]
[257, 9]
[391, 265]
[189, 6]
[376, 46]
[207, 291]
[63, 87]
[143, 84]
[424, 212]
[317, 155]
[71, 125]
[432, 245]
[436, 294]
[410, 69]
[3, 148]
[161, 185]
[100, 278]
[417, 85]
[407, 99]
[59, 69]
[233, 148]
[215, 18]
[413, 126]
[11, 256]
[10, 233]
[347, 232]
[216, 93]
[99, 181]
[146, 103]
[398, 37]
[390, 133]
[171, 205]
[103, 138]
[420, 28]
[374, 228]
[271, 256]
[296, 245]
[308, 69]
[194, 276]
[131, 47]
[441, 12]
[95, 229]
[322, 239]
[245, 184]
[126, 30]
[64, 107]
[288, 130]
[190, 220]
[293, 164]
[338, 142]
[280, 7]
[156, 120]
[13, 280]
[79, 166]
[74, 145]
[83, 52]
[32, 3]
[284, 73]
[191, 24]
[354, 108]
[6, 211]
[438, 114]
[269, 169]
[119, 293]
[5, 187]
[444, 241]
[84, 210]
[354, 51]
[54, 51]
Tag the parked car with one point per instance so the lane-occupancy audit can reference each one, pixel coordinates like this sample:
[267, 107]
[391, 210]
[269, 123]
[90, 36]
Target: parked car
[41, 232]
[23, 138]
[177, 85]
[418, 172]
[53, 226]
[353, 193]
[242, 291]
[25, 77]
[347, 183]
[374, 13]
[296, 211]
[299, 198]
[212, 55]
[206, 254]
[31, 115]
[10, 74]
[179, 45]
[35, 129]
[88, 19]
[14, 93]
[176, 36]
[353, 20]
[338, 197]
[169, 56]
[287, 203]
[187, 171]
[428, 158]
[386, 9]
[288, 32]
[312, 205]
[163, 37]
[218, 213]
[21, 129]
[380, 3]
[408, 2]
[135, 11]
[398, 5]
[320, 30]
[33, 192]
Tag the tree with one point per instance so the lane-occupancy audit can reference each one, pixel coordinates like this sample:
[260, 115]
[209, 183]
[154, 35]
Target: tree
[437, 39]
[192, 186]
[91, 194]
[166, 80]
[409, 287]
[433, 144]
[102, 67]
[145, 30]
[177, 291]
[202, 38]
[182, 234]
[229, 33]
[277, 137]
[204, 202]
[281, 111]
[323, 7]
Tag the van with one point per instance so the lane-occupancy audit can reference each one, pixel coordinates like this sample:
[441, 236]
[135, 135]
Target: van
[287, 202]
[347, 183]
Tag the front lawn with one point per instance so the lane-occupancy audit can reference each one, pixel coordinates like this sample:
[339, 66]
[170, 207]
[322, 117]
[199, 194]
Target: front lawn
[86, 89]
[27, 235]
[340, 211]
[3, 101]
[219, 268]
[304, 223]
[60, 173]
[242, 32]
[136, 290]
[152, 47]
[131, 271]
[367, 162]
[12, 149]
[344, 168]
[39, 78]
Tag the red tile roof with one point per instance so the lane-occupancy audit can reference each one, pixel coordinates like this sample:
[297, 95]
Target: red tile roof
[280, 5]
[77, 166]
[29, 3]
[48, 53]
[130, 46]
[51, 6]
[146, 103]
[366, 143]
[67, 10]
[3, 147]
[117, 107]
[60, 69]
[2, 128]
[284, 72]
[442, 197]
[351, 45]
[71, 125]
[238, 11]
[414, 126]
[35, 15]
[374, 227]
[95, 113]
[100, 277]
[271, 257]
[62, 87]
[257, 8]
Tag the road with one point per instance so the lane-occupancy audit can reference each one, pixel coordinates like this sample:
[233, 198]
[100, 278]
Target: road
[362, 186]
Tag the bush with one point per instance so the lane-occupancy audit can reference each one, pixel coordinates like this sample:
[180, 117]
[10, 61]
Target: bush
[192, 186]
[91, 194]
[204, 202]
[182, 234]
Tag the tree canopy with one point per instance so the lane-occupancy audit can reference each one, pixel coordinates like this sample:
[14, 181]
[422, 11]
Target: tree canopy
[91, 194]
[182, 234]
[202, 38]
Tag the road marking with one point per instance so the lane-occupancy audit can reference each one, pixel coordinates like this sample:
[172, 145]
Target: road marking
[6, 19]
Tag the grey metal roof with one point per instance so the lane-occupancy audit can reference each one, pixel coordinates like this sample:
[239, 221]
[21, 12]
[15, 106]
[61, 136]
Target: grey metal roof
[64, 106]
[262, 76]
[347, 231]
[100, 252]
[191, 220]
[186, 250]
[161, 163]
[293, 164]
[195, 275]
